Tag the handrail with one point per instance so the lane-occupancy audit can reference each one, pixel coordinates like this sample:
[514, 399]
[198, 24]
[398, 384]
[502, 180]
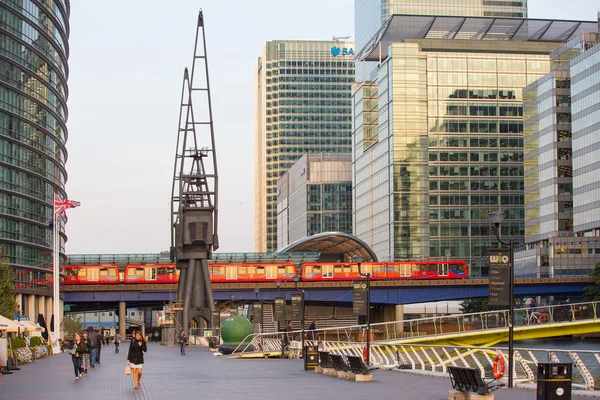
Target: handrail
[453, 324]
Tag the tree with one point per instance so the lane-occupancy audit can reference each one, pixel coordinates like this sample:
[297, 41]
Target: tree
[8, 304]
[71, 325]
[592, 292]
[476, 305]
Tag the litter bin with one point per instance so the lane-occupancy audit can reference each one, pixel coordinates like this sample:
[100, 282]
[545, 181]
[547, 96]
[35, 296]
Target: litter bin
[311, 357]
[213, 342]
[554, 381]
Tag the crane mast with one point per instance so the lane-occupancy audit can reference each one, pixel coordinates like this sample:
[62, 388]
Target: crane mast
[194, 198]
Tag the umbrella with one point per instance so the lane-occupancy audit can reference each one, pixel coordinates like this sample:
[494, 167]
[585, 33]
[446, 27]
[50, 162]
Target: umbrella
[42, 322]
[9, 325]
[52, 323]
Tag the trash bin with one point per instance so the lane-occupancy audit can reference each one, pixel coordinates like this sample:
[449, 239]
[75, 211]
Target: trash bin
[311, 357]
[554, 381]
[213, 342]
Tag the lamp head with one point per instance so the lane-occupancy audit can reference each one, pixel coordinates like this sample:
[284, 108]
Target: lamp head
[256, 290]
[277, 283]
[497, 217]
[358, 259]
[296, 278]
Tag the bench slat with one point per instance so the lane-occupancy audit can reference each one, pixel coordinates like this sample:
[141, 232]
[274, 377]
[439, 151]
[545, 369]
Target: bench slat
[469, 380]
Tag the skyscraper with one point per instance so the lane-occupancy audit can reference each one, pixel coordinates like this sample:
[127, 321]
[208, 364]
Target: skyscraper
[447, 145]
[370, 15]
[33, 112]
[303, 95]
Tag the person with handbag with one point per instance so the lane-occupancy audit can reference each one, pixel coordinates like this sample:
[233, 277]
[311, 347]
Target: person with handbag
[77, 350]
[135, 357]
[86, 356]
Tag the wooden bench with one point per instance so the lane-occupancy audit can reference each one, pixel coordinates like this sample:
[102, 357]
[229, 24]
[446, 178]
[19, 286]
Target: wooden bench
[357, 365]
[469, 380]
[338, 363]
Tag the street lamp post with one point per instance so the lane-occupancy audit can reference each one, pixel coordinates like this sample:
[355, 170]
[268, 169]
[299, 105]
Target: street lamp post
[358, 260]
[497, 217]
[278, 284]
[296, 279]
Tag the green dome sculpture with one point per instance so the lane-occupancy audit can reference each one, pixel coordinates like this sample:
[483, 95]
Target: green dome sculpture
[235, 329]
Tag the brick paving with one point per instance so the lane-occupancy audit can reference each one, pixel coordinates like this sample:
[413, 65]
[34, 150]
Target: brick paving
[168, 375]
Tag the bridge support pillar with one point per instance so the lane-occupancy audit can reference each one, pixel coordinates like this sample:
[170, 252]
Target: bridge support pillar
[389, 314]
[122, 316]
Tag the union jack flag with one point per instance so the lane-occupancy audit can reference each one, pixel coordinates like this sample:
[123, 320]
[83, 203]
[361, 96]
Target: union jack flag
[61, 206]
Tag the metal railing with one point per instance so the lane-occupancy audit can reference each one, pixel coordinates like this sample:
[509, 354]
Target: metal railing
[435, 359]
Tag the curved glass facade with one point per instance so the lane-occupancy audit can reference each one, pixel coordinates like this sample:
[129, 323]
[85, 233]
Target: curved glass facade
[33, 114]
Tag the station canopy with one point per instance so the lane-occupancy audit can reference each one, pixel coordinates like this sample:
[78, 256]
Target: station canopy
[332, 245]
[401, 26]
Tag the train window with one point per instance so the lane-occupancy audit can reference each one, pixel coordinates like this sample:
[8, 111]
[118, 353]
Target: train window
[354, 268]
[103, 272]
[150, 273]
[131, 271]
[252, 270]
[81, 273]
[231, 273]
[290, 270]
[337, 269]
[281, 270]
[317, 269]
[308, 269]
[242, 270]
[92, 274]
[327, 271]
[139, 271]
[367, 268]
[403, 269]
[260, 270]
[443, 269]
[112, 272]
[271, 272]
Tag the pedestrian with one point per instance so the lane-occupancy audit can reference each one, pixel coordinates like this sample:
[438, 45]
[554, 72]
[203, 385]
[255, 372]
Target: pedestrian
[135, 357]
[94, 344]
[533, 303]
[117, 341]
[182, 340]
[99, 343]
[156, 336]
[86, 354]
[310, 331]
[76, 350]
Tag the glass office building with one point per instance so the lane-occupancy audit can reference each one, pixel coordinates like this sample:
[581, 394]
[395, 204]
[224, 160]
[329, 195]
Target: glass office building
[302, 98]
[562, 231]
[448, 147]
[33, 114]
[314, 196]
[371, 15]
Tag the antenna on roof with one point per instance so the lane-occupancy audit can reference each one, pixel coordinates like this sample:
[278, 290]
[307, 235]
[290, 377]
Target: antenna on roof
[338, 38]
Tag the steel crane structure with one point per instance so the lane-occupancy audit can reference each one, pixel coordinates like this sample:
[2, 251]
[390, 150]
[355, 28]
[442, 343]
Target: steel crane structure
[195, 191]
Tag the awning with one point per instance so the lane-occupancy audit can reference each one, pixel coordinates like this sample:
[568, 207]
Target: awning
[8, 325]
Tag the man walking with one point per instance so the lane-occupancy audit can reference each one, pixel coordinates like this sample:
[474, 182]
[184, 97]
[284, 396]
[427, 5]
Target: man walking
[93, 347]
[182, 339]
[117, 341]
[99, 342]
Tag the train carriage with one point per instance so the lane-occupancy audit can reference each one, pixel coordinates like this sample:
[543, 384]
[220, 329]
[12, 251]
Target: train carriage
[91, 274]
[148, 273]
[252, 272]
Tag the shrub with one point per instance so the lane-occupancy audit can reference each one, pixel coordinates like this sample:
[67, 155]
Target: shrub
[17, 343]
[35, 341]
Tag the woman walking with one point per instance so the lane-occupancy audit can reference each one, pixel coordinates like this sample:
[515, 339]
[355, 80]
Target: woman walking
[135, 357]
[77, 350]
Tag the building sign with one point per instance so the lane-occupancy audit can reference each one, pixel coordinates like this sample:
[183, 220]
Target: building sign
[344, 51]
[280, 309]
[359, 298]
[499, 277]
[257, 312]
[297, 303]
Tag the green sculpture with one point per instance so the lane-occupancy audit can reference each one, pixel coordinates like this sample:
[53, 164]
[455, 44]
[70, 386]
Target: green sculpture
[233, 332]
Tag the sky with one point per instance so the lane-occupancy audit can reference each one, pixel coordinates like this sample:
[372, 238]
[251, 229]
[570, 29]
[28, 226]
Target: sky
[126, 67]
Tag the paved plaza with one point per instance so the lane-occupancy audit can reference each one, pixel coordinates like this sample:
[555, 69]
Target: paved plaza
[168, 375]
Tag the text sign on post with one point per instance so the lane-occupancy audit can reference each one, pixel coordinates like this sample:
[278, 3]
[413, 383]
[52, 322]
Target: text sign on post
[257, 312]
[499, 277]
[297, 307]
[359, 298]
[280, 309]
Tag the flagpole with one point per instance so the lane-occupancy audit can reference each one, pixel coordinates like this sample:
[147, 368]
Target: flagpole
[56, 280]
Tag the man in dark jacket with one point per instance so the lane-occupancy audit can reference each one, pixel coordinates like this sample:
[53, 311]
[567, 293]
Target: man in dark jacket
[182, 340]
[95, 347]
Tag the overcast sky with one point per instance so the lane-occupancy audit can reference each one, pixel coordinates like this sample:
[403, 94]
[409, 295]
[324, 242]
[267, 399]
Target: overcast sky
[126, 67]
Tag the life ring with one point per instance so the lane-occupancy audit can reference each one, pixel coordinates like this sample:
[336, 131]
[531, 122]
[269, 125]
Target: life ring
[364, 353]
[499, 366]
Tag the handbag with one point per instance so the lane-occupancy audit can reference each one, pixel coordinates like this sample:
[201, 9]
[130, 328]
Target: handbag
[127, 369]
[73, 352]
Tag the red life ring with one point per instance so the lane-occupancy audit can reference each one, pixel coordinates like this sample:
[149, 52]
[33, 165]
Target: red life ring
[499, 366]
[365, 353]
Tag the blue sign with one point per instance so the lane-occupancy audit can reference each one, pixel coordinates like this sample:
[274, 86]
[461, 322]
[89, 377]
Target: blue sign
[344, 51]
[16, 315]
